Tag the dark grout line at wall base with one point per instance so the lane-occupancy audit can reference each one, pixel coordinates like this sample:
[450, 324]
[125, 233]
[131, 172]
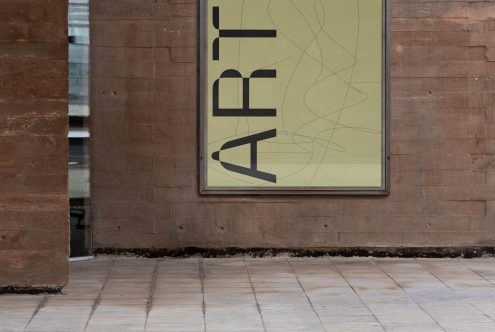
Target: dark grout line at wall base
[26, 290]
[396, 252]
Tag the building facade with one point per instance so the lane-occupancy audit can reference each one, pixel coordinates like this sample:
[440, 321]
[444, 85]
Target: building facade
[144, 144]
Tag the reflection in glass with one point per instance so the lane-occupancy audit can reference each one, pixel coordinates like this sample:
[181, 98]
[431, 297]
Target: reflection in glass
[79, 134]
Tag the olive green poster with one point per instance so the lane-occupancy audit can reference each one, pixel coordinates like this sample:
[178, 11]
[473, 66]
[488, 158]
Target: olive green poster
[293, 95]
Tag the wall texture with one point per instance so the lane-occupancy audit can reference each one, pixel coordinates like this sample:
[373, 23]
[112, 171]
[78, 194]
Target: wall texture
[145, 160]
[33, 143]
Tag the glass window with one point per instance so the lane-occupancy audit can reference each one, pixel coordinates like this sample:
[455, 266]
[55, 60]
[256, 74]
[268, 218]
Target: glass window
[79, 134]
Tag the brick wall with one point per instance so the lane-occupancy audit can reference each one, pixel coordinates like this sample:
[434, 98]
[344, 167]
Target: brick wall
[145, 191]
[33, 143]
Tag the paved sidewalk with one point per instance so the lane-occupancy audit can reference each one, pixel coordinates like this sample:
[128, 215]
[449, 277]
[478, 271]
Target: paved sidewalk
[274, 294]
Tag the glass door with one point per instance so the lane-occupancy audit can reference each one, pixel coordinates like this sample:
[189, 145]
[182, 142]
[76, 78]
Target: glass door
[79, 134]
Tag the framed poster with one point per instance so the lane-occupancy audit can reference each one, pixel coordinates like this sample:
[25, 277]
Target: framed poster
[294, 96]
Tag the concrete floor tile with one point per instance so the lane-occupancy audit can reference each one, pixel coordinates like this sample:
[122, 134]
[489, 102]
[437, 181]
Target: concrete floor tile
[268, 294]
[415, 328]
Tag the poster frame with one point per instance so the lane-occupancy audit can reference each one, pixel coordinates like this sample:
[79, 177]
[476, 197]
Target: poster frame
[204, 189]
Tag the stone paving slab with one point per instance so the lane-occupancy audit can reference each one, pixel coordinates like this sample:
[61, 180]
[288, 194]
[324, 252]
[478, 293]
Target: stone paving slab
[263, 294]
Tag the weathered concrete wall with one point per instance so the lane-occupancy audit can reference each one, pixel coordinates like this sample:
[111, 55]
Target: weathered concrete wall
[33, 143]
[145, 160]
